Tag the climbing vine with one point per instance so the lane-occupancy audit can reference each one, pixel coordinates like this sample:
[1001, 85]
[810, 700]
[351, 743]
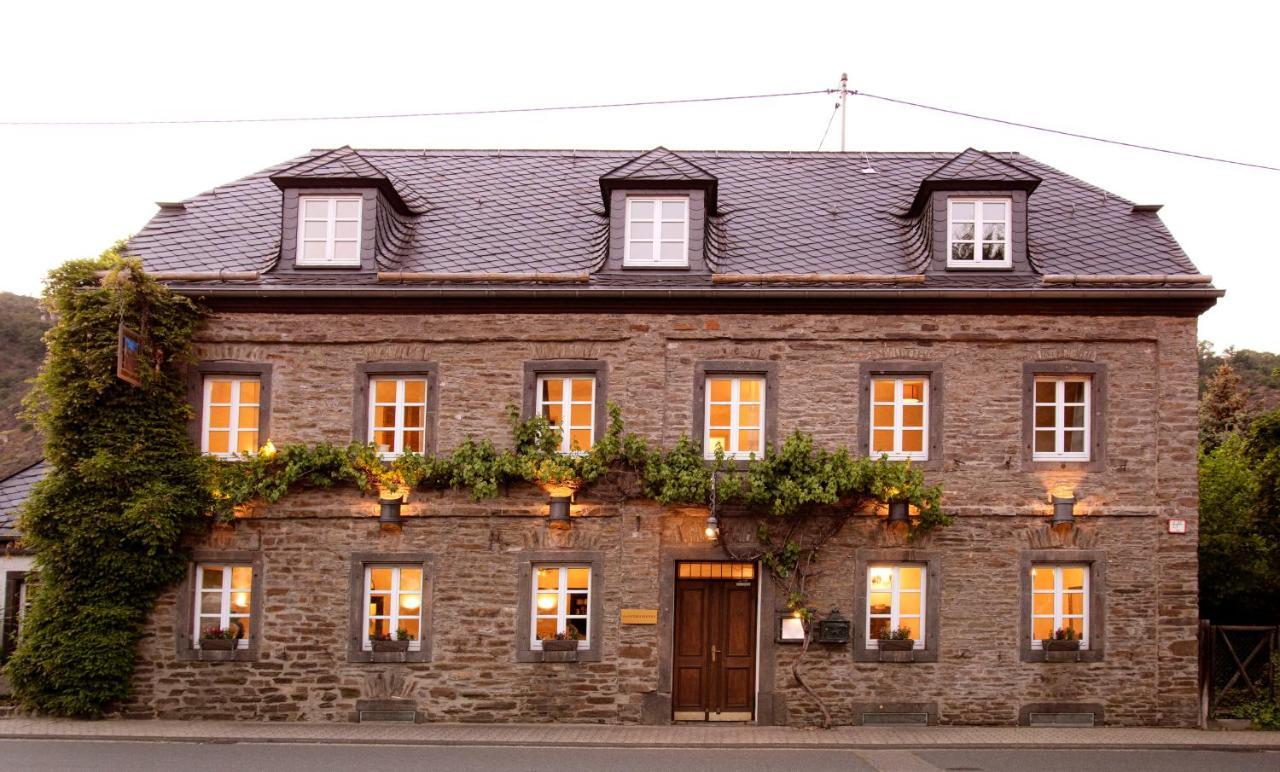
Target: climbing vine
[127, 485]
[124, 484]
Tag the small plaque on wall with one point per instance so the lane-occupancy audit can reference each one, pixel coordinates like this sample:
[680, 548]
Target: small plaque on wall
[639, 616]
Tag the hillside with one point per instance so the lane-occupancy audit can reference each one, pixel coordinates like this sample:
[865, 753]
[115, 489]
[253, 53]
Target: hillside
[21, 350]
[1259, 373]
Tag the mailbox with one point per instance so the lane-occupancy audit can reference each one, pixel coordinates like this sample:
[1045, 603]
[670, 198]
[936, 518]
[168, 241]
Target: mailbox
[834, 628]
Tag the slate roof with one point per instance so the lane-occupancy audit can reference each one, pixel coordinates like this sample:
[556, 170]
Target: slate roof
[976, 165]
[777, 212]
[14, 490]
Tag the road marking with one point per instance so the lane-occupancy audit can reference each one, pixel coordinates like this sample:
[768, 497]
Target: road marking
[896, 761]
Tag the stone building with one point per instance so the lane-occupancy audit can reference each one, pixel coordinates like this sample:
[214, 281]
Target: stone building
[1016, 332]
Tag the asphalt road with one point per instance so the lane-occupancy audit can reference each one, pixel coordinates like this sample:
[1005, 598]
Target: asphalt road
[68, 755]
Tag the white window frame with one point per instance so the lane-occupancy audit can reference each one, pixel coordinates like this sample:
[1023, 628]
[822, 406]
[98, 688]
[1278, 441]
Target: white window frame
[399, 428]
[562, 615]
[895, 613]
[394, 605]
[657, 241]
[1058, 593]
[898, 454]
[1059, 427]
[330, 239]
[978, 241]
[225, 617]
[735, 405]
[22, 605]
[566, 403]
[233, 427]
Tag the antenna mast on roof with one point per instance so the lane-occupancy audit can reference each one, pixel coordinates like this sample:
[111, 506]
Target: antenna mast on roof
[844, 93]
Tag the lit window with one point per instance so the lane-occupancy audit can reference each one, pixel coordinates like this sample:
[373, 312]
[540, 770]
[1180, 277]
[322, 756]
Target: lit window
[230, 414]
[978, 233]
[1061, 418]
[895, 599]
[329, 230]
[393, 603]
[900, 417]
[561, 599]
[568, 402]
[1059, 600]
[734, 417]
[657, 232]
[398, 415]
[224, 601]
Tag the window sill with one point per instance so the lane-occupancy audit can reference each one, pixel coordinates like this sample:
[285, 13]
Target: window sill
[1056, 657]
[581, 655]
[343, 267]
[208, 655]
[865, 654]
[896, 656]
[669, 267]
[1046, 465]
[967, 267]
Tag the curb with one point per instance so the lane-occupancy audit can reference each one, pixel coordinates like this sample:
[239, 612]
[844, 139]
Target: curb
[770, 745]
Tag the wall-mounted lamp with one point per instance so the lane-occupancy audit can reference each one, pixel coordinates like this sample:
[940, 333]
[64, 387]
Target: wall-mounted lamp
[1064, 512]
[899, 514]
[713, 527]
[790, 628]
[558, 510]
[389, 510]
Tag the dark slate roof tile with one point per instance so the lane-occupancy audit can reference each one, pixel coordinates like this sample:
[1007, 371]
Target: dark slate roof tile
[14, 490]
[520, 211]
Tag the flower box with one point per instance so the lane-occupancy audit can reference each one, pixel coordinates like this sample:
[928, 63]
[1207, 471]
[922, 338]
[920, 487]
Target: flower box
[902, 644]
[553, 645]
[390, 645]
[218, 644]
[1051, 645]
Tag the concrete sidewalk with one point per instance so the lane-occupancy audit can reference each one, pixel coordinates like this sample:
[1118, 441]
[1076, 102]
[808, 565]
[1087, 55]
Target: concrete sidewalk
[598, 736]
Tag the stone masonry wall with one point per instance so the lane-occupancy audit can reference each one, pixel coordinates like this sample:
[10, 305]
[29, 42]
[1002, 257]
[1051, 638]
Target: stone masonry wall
[1146, 677]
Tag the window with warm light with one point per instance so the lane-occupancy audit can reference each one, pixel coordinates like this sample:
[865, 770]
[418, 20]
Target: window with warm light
[657, 232]
[900, 417]
[393, 602]
[561, 599]
[568, 402]
[895, 599]
[1061, 418]
[734, 416]
[978, 233]
[1059, 600]
[398, 415]
[224, 597]
[329, 230]
[230, 416]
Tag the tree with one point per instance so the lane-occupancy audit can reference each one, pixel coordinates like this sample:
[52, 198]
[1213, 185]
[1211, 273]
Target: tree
[1224, 407]
[1240, 526]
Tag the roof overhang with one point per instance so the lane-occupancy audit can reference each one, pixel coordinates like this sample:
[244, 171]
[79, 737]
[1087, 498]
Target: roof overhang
[823, 300]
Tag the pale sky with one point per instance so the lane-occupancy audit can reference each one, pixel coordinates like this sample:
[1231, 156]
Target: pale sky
[1196, 78]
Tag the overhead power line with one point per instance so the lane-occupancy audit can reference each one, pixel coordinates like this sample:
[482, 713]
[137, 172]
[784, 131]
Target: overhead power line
[843, 91]
[1062, 133]
[437, 114]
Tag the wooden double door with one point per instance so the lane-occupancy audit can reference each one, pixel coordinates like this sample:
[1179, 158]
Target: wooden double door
[714, 672]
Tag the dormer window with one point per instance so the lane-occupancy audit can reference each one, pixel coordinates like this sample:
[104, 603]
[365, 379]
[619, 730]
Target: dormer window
[329, 230]
[978, 233]
[657, 232]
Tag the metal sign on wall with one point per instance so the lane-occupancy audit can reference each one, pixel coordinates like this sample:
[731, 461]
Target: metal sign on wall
[639, 616]
[128, 352]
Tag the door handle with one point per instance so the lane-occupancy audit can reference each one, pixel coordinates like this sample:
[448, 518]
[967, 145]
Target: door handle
[713, 653]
